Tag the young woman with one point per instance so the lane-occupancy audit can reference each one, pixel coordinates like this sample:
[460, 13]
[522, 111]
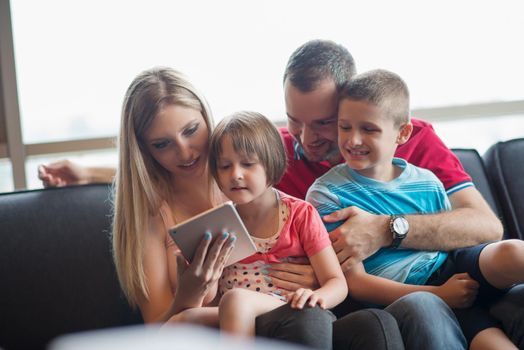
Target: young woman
[162, 179]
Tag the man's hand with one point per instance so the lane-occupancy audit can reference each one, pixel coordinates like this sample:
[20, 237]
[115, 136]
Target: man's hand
[294, 274]
[359, 237]
[62, 173]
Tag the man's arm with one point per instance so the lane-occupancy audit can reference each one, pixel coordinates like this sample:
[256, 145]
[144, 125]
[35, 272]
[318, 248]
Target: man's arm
[470, 222]
[66, 173]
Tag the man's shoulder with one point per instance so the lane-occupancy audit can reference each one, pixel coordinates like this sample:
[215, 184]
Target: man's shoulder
[284, 132]
[420, 130]
[288, 141]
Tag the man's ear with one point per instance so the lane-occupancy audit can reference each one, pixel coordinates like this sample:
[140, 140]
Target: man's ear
[404, 133]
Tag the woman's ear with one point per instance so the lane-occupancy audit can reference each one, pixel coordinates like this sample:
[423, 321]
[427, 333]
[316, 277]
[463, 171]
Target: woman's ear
[404, 133]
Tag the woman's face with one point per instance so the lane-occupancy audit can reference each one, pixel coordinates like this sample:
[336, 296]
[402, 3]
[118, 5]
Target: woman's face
[177, 139]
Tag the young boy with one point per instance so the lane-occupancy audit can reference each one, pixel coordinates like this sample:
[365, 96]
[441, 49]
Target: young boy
[373, 118]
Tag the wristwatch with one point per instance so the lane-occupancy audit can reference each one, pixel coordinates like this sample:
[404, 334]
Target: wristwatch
[399, 227]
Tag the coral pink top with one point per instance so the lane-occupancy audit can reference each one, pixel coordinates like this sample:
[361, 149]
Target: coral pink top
[301, 233]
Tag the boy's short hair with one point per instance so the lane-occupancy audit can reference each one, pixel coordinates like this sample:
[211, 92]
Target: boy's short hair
[251, 133]
[317, 60]
[382, 88]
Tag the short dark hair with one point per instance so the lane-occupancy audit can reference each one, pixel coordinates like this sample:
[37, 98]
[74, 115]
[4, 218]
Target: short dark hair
[316, 61]
[251, 133]
[382, 88]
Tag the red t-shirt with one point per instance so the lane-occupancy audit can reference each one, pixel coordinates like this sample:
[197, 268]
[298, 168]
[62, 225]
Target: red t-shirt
[423, 149]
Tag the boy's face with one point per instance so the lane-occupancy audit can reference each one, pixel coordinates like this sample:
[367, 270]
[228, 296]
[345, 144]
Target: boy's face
[367, 139]
[241, 177]
[311, 119]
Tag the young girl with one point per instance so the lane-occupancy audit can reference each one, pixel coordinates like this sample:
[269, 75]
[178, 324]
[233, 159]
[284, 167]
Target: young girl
[247, 158]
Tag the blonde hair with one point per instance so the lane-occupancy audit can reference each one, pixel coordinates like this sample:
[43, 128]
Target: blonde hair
[141, 184]
[251, 133]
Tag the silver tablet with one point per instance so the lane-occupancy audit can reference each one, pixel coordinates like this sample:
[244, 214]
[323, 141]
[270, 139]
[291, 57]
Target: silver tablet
[223, 218]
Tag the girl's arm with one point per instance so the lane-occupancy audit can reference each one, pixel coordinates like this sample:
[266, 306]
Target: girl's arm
[333, 289]
[458, 292]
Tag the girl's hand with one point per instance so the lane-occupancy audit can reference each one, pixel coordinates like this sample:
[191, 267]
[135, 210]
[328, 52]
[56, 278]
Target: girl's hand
[459, 292]
[197, 278]
[302, 296]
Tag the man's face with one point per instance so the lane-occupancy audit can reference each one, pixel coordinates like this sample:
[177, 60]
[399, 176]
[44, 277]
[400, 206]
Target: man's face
[312, 119]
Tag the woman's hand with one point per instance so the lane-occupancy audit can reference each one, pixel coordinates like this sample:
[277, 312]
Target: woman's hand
[196, 279]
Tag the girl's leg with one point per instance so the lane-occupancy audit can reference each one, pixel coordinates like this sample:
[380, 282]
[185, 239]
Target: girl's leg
[492, 339]
[502, 263]
[206, 316]
[239, 308]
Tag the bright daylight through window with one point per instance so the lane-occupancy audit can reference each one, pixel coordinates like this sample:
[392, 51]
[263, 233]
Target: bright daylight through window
[74, 59]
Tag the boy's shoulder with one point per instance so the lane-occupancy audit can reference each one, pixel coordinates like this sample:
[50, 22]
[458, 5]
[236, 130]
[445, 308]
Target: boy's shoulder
[418, 172]
[337, 175]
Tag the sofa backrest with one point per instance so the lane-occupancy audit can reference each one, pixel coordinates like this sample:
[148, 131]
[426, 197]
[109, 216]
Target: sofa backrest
[474, 166]
[505, 165]
[56, 270]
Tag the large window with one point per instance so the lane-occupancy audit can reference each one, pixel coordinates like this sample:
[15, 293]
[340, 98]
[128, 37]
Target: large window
[74, 59]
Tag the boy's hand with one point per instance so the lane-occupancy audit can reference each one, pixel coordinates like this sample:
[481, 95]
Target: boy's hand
[459, 292]
[301, 296]
[359, 237]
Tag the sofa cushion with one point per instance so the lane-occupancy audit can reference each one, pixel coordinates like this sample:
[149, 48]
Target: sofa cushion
[56, 270]
[505, 165]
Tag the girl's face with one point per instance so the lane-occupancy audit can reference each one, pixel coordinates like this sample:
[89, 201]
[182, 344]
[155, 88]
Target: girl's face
[177, 139]
[241, 177]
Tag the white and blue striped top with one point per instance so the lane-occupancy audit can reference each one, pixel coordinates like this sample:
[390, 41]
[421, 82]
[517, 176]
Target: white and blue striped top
[415, 191]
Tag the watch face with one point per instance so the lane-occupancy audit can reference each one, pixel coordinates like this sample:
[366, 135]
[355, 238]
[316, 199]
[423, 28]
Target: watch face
[401, 226]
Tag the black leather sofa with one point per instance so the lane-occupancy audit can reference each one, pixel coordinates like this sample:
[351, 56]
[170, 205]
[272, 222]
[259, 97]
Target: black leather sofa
[57, 274]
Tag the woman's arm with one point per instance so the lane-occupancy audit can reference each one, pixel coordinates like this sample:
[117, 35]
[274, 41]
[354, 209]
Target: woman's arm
[166, 271]
[333, 289]
[458, 292]
[158, 307]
